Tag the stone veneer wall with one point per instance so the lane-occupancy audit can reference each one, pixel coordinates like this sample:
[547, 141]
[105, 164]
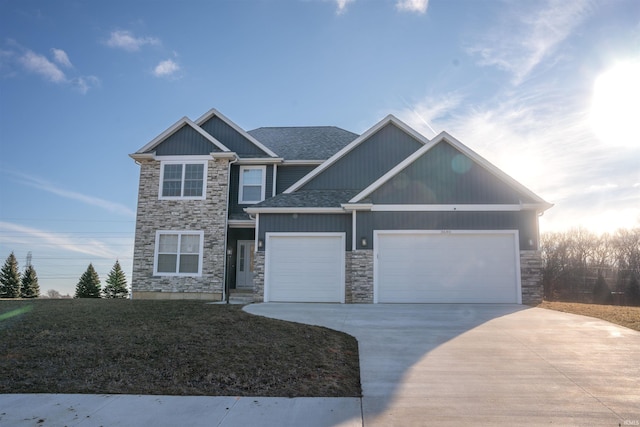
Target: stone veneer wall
[359, 276]
[258, 277]
[208, 215]
[531, 277]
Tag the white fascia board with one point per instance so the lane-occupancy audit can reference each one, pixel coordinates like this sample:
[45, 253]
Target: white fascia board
[375, 128]
[185, 121]
[183, 159]
[259, 161]
[252, 211]
[445, 208]
[213, 112]
[142, 156]
[242, 223]
[356, 206]
[224, 155]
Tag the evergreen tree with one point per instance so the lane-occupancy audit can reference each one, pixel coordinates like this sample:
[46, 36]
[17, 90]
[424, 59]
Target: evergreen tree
[89, 284]
[116, 283]
[30, 287]
[10, 278]
[601, 291]
[632, 291]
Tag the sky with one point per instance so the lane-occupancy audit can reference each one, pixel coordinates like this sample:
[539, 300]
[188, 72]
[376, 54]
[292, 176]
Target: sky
[548, 91]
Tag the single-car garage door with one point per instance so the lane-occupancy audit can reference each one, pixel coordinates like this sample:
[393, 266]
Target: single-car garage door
[451, 267]
[304, 267]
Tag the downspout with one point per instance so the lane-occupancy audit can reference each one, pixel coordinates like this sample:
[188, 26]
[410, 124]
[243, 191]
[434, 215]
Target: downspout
[226, 276]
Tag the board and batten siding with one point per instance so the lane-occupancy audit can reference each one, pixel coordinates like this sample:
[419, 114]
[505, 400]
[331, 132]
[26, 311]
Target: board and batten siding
[366, 162]
[305, 223]
[523, 221]
[185, 142]
[443, 175]
[289, 175]
[231, 139]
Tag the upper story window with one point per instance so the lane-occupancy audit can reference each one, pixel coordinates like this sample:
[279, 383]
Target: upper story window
[252, 184]
[183, 180]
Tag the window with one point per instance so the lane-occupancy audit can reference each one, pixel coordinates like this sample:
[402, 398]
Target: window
[178, 253]
[183, 180]
[252, 184]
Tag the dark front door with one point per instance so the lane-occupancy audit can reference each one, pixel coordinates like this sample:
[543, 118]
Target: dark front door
[244, 264]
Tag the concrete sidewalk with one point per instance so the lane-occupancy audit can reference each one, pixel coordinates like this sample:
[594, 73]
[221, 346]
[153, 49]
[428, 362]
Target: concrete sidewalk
[84, 410]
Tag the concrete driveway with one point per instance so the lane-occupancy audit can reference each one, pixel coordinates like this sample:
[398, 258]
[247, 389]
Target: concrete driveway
[484, 364]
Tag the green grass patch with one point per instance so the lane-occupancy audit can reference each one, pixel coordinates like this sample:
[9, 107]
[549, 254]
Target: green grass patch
[170, 348]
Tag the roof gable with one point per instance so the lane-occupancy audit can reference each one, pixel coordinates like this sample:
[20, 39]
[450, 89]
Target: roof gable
[447, 172]
[183, 138]
[232, 135]
[365, 159]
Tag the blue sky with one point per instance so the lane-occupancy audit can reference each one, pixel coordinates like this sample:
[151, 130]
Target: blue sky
[549, 91]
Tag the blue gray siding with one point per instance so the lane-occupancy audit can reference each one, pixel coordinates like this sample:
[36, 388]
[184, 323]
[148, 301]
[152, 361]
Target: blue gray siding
[185, 142]
[232, 139]
[523, 221]
[234, 187]
[289, 175]
[443, 175]
[367, 162]
[305, 223]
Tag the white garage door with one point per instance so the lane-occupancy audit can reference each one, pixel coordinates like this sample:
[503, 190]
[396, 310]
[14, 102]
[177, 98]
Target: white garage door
[455, 267]
[306, 267]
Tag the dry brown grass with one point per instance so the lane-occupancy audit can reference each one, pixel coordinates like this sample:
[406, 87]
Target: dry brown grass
[620, 315]
[168, 347]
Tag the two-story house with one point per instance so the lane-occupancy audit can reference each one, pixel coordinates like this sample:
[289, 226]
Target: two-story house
[321, 214]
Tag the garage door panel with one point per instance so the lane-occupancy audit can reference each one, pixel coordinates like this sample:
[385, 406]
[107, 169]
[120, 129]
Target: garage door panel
[446, 268]
[305, 268]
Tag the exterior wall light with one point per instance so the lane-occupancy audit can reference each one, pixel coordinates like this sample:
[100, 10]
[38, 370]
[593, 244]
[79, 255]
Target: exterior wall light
[363, 242]
[260, 243]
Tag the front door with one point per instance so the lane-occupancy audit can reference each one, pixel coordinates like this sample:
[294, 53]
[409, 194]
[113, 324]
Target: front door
[244, 264]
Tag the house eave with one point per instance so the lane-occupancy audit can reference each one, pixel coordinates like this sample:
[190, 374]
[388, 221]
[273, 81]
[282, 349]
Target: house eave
[286, 210]
[259, 160]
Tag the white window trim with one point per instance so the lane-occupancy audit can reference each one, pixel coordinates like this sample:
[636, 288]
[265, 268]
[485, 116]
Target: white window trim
[183, 163]
[241, 200]
[180, 233]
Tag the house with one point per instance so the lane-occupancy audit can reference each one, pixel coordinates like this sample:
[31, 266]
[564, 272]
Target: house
[320, 214]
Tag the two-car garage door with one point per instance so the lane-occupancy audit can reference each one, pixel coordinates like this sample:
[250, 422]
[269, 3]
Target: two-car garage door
[438, 267]
[409, 267]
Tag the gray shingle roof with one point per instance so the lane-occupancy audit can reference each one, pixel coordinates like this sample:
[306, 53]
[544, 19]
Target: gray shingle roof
[309, 199]
[304, 143]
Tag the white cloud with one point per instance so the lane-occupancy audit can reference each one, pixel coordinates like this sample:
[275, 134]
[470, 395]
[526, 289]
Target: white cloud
[342, 6]
[15, 233]
[44, 185]
[166, 68]
[419, 6]
[60, 56]
[84, 83]
[126, 40]
[527, 37]
[38, 64]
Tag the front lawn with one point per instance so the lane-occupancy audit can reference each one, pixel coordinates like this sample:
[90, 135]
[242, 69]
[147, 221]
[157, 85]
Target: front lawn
[620, 315]
[168, 347]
